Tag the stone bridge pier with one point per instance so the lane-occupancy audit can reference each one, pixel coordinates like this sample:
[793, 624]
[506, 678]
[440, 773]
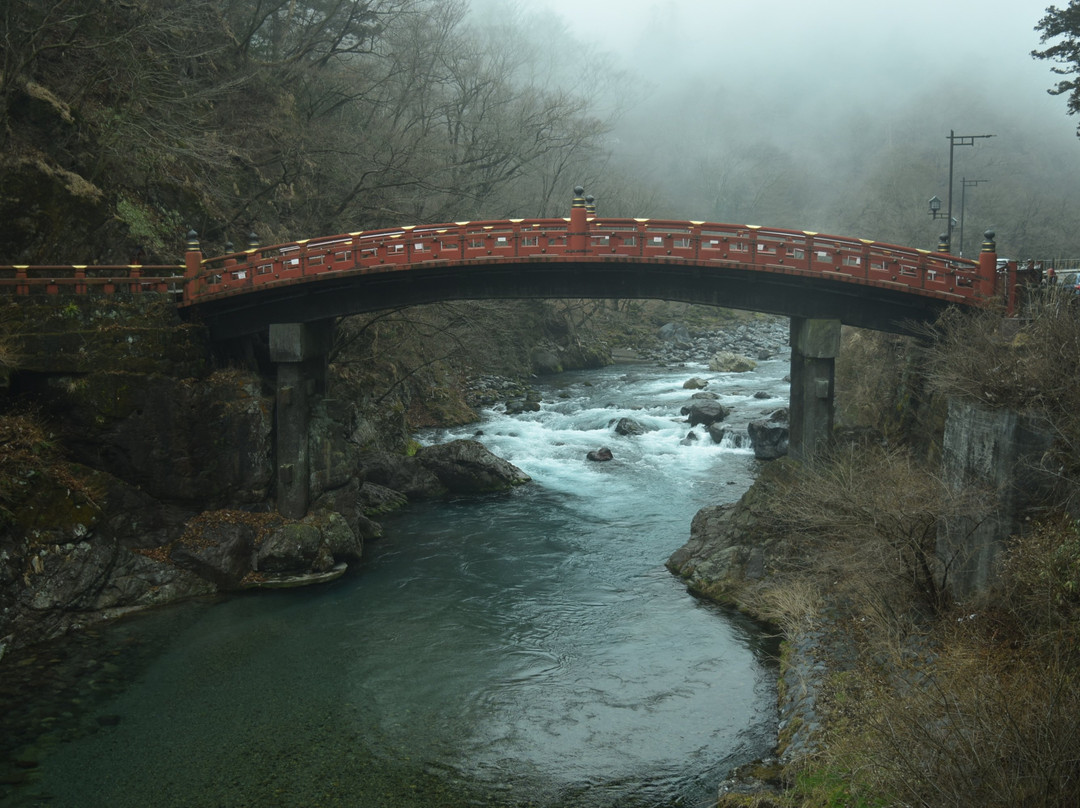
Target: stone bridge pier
[815, 344]
[300, 354]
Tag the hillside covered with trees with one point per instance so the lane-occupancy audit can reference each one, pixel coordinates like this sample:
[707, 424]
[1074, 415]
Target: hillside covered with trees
[123, 125]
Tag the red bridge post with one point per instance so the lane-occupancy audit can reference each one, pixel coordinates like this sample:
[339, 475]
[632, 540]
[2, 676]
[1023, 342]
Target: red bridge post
[192, 264]
[988, 265]
[578, 237]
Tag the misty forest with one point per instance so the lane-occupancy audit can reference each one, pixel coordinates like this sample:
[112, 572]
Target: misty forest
[127, 124]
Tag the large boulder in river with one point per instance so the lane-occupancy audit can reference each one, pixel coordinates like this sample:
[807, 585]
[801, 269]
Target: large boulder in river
[218, 546]
[730, 362]
[769, 439]
[233, 549]
[314, 544]
[468, 467]
[629, 427]
[600, 455]
[705, 411]
[458, 467]
[349, 503]
[375, 500]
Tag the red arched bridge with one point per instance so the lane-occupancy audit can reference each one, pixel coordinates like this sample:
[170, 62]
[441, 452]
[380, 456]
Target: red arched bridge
[294, 291]
[785, 272]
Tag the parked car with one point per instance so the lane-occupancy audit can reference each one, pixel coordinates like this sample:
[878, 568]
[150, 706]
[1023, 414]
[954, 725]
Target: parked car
[1069, 278]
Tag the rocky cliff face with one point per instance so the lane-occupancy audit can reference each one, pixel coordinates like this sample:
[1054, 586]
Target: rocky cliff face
[144, 475]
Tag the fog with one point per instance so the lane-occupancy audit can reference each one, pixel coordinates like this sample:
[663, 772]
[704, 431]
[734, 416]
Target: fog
[831, 115]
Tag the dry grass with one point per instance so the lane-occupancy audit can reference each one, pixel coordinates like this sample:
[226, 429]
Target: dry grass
[1030, 365]
[970, 720]
[941, 707]
[870, 513]
[790, 604]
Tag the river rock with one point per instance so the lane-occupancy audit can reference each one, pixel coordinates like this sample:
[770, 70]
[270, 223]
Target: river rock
[677, 334]
[348, 503]
[341, 541]
[545, 362]
[705, 412]
[600, 455]
[690, 439]
[293, 548]
[316, 544]
[696, 383]
[469, 467]
[516, 406]
[459, 467]
[218, 547]
[769, 439]
[732, 544]
[730, 362]
[376, 499]
[629, 427]
[399, 473]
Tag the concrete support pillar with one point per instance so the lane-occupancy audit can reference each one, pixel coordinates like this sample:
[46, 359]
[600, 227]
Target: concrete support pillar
[998, 454]
[299, 351]
[815, 345]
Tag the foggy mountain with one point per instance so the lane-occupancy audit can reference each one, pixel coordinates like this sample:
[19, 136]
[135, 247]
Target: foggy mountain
[831, 116]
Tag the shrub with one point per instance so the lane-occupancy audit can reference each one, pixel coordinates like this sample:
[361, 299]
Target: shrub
[872, 514]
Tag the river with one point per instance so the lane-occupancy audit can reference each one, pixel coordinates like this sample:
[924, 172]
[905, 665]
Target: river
[528, 648]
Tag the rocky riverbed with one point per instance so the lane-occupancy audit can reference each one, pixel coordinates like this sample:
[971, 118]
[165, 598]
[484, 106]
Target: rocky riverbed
[760, 338]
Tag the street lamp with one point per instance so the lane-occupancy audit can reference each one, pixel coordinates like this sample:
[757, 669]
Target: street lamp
[954, 141]
[965, 183]
[935, 213]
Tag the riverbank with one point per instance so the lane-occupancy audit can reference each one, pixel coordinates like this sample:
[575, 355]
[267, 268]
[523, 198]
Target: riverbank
[895, 688]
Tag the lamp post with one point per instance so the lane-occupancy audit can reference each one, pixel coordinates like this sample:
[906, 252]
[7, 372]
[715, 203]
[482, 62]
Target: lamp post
[935, 213]
[965, 183]
[954, 141]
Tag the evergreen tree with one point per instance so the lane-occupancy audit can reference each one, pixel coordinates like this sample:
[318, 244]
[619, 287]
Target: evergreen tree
[1063, 23]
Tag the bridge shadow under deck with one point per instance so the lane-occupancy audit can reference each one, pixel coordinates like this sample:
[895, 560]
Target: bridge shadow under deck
[872, 304]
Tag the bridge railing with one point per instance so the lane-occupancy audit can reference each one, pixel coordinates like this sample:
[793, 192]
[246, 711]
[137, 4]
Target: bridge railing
[90, 279]
[662, 241]
[520, 240]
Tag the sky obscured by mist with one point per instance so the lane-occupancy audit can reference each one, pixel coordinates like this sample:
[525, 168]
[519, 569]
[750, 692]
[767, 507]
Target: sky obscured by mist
[830, 115]
[806, 52]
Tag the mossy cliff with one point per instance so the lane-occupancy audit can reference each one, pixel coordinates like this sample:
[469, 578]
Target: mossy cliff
[137, 458]
[118, 432]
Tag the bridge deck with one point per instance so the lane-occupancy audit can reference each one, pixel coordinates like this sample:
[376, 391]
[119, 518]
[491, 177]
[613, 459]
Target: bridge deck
[798, 273]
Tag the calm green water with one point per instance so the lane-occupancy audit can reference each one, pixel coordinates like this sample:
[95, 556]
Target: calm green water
[521, 649]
